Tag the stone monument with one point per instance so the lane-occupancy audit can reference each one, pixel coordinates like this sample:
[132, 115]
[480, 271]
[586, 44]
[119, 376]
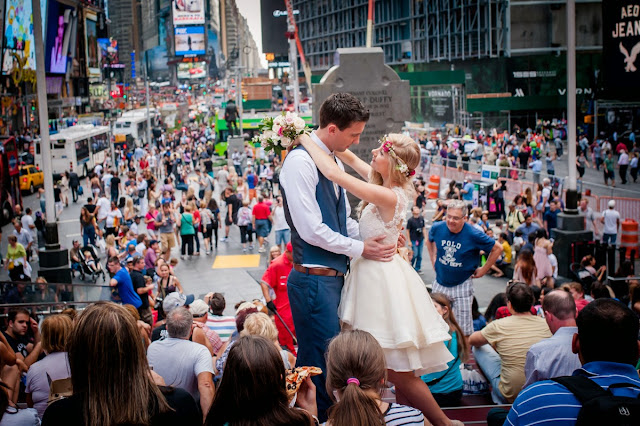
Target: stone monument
[362, 72]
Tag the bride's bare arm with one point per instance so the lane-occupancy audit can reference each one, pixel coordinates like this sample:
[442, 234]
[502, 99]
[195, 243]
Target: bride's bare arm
[356, 163]
[384, 198]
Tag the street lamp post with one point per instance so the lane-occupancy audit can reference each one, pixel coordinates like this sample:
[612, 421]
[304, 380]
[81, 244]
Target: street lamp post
[43, 116]
[572, 193]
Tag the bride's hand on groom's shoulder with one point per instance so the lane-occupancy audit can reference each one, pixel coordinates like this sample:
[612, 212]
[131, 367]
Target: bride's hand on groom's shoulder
[374, 249]
[303, 139]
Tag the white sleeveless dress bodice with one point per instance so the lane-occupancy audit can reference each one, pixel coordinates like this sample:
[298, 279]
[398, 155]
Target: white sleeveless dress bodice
[390, 301]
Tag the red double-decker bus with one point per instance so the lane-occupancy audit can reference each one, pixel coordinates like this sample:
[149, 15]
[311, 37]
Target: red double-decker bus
[9, 178]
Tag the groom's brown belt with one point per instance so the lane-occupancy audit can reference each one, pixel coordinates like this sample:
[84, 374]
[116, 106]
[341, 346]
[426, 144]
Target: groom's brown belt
[325, 272]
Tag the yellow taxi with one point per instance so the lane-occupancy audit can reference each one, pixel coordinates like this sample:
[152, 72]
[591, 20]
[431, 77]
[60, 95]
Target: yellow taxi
[30, 178]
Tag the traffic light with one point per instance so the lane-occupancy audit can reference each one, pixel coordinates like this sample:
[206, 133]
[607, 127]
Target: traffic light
[588, 119]
[189, 88]
[244, 96]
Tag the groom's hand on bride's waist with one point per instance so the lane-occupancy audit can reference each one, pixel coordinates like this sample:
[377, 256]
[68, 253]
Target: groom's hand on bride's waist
[374, 249]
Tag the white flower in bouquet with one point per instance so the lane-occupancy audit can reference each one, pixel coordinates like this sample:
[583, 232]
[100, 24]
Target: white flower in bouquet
[285, 142]
[280, 132]
[299, 124]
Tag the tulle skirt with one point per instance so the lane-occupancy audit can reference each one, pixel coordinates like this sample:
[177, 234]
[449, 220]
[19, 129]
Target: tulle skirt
[390, 301]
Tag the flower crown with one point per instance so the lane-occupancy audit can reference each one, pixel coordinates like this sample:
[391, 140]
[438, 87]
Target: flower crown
[387, 146]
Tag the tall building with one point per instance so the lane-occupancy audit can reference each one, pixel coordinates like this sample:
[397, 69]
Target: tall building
[520, 46]
[125, 27]
[240, 47]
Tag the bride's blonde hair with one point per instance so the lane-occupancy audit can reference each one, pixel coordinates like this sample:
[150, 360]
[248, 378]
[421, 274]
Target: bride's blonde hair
[406, 151]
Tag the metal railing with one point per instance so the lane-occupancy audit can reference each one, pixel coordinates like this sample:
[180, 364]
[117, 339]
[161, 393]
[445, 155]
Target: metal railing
[14, 294]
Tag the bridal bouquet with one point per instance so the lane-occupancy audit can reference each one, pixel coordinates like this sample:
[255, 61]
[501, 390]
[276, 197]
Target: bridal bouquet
[278, 133]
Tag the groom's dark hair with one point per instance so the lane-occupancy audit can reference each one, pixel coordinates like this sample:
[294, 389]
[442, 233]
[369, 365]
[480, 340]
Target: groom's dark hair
[342, 109]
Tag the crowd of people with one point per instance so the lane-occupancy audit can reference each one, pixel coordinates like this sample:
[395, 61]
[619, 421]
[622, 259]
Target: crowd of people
[536, 150]
[182, 360]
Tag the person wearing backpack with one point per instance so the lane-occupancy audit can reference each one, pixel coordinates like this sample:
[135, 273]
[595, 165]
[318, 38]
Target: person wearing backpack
[187, 232]
[606, 390]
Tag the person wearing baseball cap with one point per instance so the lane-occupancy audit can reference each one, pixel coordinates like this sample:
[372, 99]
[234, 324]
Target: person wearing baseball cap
[173, 301]
[611, 220]
[275, 277]
[200, 309]
[176, 300]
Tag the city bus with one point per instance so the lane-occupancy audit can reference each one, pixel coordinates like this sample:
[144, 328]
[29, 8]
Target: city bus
[79, 148]
[250, 124]
[133, 125]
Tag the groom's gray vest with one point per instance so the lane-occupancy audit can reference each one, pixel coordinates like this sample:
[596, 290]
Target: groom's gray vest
[334, 215]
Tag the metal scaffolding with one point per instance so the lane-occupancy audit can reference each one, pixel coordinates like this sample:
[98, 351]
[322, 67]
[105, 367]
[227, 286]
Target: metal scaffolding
[409, 31]
[460, 29]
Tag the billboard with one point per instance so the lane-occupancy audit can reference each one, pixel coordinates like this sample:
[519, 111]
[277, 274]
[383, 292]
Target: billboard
[188, 12]
[93, 53]
[59, 24]
[190, 41]
[192, 70]
[18, 36]
[621, 47]
[274, 27]
[108, 52]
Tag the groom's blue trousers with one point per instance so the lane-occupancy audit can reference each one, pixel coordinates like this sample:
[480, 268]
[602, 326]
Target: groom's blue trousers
[314, 305]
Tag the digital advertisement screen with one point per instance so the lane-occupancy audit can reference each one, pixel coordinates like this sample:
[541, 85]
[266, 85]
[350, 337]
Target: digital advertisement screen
[192, 70]
[274, 25]
[93, 55]
[188, 12]
[18, 35]
[59, 24]
[108, 51]
[190, 41]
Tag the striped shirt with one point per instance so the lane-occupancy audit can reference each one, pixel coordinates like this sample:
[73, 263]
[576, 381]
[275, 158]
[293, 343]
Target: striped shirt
[400, 415]
[224, 326]
[548, 401]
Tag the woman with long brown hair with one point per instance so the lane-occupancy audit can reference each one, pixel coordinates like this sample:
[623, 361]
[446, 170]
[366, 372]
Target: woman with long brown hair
[525, 270]
[112, 382]
[253, 389]
[87, 227]
[446, 386]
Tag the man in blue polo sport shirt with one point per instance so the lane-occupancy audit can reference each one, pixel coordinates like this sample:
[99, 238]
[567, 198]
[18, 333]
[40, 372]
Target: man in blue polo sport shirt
[454, 247]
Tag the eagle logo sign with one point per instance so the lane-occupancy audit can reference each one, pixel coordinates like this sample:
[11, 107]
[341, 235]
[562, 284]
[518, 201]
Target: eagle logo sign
[630, 58]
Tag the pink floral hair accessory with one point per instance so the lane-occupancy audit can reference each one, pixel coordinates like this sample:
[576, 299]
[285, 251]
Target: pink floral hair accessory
[387, 146]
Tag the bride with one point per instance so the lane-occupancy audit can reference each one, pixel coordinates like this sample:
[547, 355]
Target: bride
[389, 299]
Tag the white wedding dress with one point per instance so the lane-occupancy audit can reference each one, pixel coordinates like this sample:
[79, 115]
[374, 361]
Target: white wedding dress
[390, 301]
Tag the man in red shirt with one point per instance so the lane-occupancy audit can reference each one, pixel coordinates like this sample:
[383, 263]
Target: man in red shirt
[261, 221]
[276, 277]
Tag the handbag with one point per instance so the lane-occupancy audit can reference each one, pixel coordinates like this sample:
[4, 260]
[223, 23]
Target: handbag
[473, 382]
[59, 389]
[80, 191]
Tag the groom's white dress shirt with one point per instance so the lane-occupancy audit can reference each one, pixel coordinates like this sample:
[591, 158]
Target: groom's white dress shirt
[299, 178]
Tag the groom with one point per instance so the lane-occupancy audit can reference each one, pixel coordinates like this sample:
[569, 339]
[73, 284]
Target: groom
[323, 235]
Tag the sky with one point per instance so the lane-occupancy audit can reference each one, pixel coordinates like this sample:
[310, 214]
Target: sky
[250, 9]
